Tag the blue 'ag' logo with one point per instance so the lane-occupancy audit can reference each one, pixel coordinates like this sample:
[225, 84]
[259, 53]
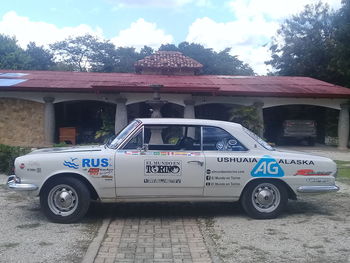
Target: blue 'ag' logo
[267, 167]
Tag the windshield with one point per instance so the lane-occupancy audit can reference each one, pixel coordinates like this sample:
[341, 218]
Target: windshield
[123, 134]
[258, 139]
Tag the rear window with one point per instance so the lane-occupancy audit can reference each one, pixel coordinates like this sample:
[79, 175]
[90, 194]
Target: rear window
[217, 139]
[258, 139]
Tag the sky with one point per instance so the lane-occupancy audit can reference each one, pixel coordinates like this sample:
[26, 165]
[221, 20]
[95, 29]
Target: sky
[245, 26]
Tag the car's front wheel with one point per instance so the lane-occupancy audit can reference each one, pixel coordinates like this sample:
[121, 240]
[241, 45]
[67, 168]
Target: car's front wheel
[264, 199]
[65, 200]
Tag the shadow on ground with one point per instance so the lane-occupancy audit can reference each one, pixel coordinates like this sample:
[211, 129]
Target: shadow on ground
[210, 209]
[125, 210]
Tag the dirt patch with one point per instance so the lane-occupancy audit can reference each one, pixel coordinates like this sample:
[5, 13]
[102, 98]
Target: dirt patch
[313, 229]
[27, 236]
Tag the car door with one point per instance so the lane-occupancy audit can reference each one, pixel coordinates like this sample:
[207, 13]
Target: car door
[161, 160]
[227, 163]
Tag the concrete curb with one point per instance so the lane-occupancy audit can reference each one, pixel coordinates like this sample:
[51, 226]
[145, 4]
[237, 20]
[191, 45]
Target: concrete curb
[94, 246]
[210, 244]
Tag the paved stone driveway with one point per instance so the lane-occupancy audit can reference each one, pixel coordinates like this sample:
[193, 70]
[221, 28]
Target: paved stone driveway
[154, 232]
[153, 239]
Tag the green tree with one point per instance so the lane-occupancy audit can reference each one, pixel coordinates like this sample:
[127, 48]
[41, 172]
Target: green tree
[11, 55]
[214, 63]
[105, 58]
[304, 45]
[109, 59]
[146, 51]
[40, 58]
[88, 53]
[341, 55]
[77, 52]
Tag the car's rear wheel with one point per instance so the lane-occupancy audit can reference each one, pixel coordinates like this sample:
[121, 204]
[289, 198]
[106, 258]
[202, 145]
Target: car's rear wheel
[264, 199]
[65, 200]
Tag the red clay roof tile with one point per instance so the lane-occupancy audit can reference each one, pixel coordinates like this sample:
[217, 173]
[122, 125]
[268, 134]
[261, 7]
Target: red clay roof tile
[168, 60]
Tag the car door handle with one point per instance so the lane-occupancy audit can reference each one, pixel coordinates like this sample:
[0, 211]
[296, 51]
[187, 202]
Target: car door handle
[198, 162]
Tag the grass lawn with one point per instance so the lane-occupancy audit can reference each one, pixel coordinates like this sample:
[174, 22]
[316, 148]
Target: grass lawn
[343, 171]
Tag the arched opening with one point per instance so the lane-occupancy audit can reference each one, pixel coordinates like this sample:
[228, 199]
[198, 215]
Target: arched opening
[78, 122]
[143, 110]
[276, 118]
[247, 116]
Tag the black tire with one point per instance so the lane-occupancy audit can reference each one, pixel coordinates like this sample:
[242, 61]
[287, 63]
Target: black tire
[273, 199]
[65, 200]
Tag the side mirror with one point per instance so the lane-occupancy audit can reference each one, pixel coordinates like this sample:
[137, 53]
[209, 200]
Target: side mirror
[144, 148]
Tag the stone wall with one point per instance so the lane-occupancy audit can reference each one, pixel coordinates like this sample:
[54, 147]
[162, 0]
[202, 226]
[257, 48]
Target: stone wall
[21, 122]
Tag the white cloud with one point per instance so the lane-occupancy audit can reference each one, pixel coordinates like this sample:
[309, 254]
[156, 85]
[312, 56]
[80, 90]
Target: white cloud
[41, 33]
[256, 22]
[158, 3]
[245, 38]
[273, 9]
[141, 33]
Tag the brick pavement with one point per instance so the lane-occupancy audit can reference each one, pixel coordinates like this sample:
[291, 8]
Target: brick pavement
[153, 239]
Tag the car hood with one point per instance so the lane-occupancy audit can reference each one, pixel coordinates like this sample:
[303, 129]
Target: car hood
[90, 148]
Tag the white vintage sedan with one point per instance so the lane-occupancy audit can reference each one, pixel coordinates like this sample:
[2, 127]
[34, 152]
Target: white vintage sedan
[172, 160]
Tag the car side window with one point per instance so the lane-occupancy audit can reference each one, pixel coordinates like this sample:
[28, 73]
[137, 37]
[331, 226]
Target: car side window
[172, 137]
[135, 142]
[217, 139]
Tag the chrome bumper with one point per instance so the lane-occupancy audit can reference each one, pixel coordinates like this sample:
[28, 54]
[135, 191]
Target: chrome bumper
[318, 189]
[14, 183]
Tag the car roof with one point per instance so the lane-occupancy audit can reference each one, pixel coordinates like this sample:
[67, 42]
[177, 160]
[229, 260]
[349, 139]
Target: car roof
[184, 121]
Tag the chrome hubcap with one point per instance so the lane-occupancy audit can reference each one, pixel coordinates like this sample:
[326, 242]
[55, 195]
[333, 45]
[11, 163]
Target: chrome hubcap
[266, 197]
[63, 200]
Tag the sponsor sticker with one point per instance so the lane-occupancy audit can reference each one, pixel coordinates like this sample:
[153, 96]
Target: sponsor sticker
[310, 172]
[267, 167]
[318, 180]
[236, 160]
[95, 162]
[94, 171]
[87, 163]
[36, 170]
[296, 162]
[71, 163]
[163, 167]
[162, 153]
[132, 152]
[223, 172]
[100, 172]
[162, 181]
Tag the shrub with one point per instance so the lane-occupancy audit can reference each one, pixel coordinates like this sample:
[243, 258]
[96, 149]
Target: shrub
[61, 144]
[8, 154]
[247, 116]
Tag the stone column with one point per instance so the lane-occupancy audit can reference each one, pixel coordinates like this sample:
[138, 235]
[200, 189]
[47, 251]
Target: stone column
[189, 109]
[343, 127]
[49, 120]
[259, 109]
[121, 115]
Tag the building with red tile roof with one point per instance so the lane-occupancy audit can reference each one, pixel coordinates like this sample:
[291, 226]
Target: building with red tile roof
[42, 102]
